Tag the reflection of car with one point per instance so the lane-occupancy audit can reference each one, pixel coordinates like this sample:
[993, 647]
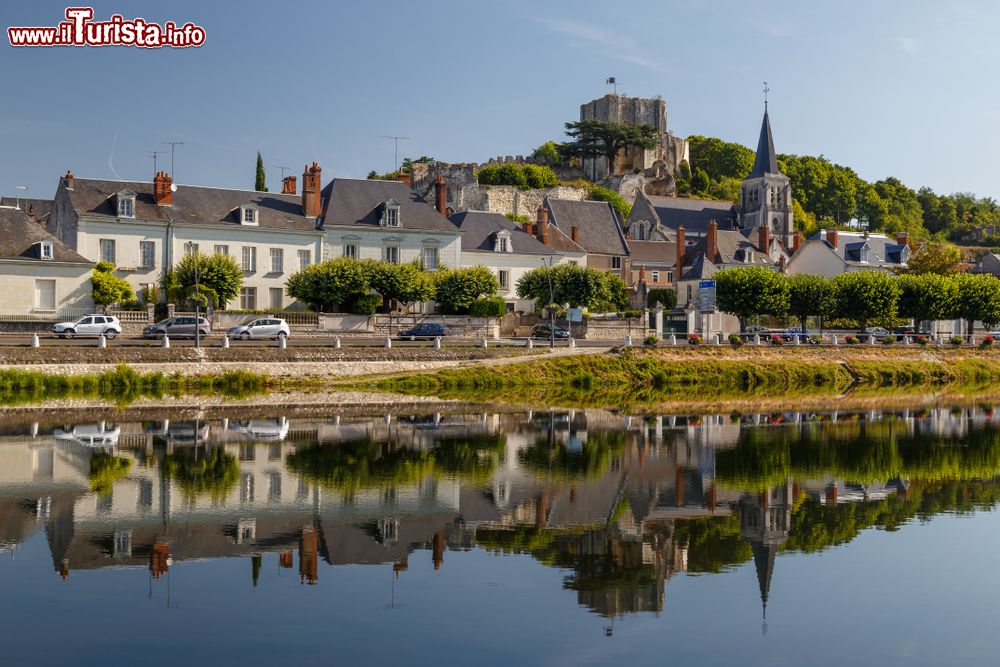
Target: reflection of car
[265, 327]
[262, 429]
[89, 325]
[426, 330]
[878, 332]
[91, 435]
[181, 431]
[177, 326]
[542, 331]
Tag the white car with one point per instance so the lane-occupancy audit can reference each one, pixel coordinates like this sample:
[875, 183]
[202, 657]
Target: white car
[89, 325]
[878, 332]
[264, 327]
[91, 435]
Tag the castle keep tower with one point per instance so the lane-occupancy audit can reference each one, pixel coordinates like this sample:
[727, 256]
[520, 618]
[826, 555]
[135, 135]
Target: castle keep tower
[766, 195]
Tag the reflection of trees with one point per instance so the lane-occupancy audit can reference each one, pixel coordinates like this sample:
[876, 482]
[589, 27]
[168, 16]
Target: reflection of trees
[714, 544]
[557, 459]
[215, 473]
[105, 470]
[362, 464]
[870, 453]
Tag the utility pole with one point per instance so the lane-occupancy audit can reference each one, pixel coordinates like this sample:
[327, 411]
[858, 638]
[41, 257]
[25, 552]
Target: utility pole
[395, 148]
[153, 154]
[173, 144]
[552, 298]
[283, 170]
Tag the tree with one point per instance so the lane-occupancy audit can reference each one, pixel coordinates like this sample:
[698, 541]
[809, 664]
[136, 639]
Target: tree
[598, 138]
[260, 183]
[661, 296]
[978, 299]
[330, 284]
[548, 153]
[700, 181]
[407, 166]
[927, 297]
[457, 289]
[597, 193]
[575, 286]
[809, 296]
[865, 295]
[720, 159]
[940, 258]
[752, 290]
[539, 176]
[218, 276]
[108, 289]
[403, 283]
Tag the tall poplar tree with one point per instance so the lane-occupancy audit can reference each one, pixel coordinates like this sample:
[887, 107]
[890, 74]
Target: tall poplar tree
[260, 184]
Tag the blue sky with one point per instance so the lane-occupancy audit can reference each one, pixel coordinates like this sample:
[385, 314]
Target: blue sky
[903, 88]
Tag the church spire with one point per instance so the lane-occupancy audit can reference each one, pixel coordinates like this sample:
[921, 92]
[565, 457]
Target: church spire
[766, 161]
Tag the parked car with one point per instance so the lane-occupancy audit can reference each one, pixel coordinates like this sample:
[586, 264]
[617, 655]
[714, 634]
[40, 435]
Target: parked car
[790, 334]
[89, 325]
[177, 326]
[543, 331]
[901, 332]
[878, 332]
[264, 327]
[91, 435]
[425, 330]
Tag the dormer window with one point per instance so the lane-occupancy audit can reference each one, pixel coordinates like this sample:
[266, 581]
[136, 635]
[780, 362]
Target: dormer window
[126, 204]
[502, 242]
[904, 255]
[248, 215]
[45, 250]
[390, 214]
[863, 253]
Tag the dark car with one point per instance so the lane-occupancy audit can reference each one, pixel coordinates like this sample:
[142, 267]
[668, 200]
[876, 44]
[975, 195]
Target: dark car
[900, 332]
[423, 331]
[177, 326]
[543, 331]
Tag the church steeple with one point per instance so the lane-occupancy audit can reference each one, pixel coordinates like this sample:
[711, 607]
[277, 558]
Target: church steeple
[766, 161]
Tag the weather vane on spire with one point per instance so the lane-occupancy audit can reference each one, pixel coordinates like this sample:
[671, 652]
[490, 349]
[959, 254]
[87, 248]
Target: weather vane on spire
[766, 91]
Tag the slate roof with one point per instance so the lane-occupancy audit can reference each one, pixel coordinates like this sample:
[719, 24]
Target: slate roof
[41, 208]
[766, 162]
[348, 201]
[699, 269]
[19, 234]
[599, 231]
[479, 230]
[693, 214]
[646, 253]
[882, 249]
[192, 204]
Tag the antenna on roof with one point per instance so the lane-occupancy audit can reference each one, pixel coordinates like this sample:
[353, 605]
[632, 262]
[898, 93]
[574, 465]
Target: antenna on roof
[153, 154]
[395, 148]
[613, 82]
[173, 144]
[283, 170]
[17, 200]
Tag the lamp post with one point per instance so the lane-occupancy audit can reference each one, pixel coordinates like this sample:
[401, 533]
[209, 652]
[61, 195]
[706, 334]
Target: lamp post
[552, 299]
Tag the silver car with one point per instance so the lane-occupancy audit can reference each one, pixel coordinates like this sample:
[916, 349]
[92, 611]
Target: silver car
[264, 327]
[181, 325]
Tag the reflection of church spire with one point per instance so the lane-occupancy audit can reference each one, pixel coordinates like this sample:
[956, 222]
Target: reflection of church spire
[763, 562]
[765, 520]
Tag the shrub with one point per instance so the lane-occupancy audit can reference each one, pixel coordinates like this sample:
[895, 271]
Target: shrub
[922, 340]
[493, 306]
[776, 340]
[694, 339]
[852, 340]
[888, 340]
[956, 340]
[661, 296]
[815, 340]
[630, 314]
[987, 342]
[652, 340]
[366, 304]
[735, 340]
[597, 193]
[540, 177]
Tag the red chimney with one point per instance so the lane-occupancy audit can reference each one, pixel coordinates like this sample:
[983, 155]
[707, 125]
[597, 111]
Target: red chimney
[712, 241]
[69, 179]
[574, 233]
[542, 227]
[438, 549]
[405, 178]
[526, 228]
[162, 191]
[288, 185]
[642, 273]
[764, 239]
[680, 253]
[31, 212]
[831, 237]
[902, 238]
[441, 196]
[796, 242]
[310, 191]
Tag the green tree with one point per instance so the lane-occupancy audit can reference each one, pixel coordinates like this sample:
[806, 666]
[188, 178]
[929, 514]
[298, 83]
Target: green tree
[548, 153]
[619, 203]
[539, 176]
[457, 289]
[598, 138]
[866, 295]
[809, 296]
[720, 159]
[927, 297]
[218, 275]
[108, 289]
[682, 179]
[661, 296]
[403, 283]
[260, 182]
[575, 286]
[214, 474]
[931, 257]
[700, 181]
[978, 299]
[752, 290]
[407, 166]
[330, 284]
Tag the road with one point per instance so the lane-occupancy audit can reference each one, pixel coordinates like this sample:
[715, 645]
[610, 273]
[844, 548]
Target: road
[50, 340]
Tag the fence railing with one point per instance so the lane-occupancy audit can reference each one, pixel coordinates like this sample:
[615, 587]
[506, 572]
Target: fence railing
[37, 315]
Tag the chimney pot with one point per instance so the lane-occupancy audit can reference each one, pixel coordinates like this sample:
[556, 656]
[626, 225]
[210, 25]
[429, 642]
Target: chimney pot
[680, 253]
[69, 179]
[574, 233]
[902, 238]
[831, 237]
[712, 241]
[405, 178]
[796, 242]
[311, 186]
[764, 239]
[162, 192]
[542, 226]
[288, 186]
[441, 196]
[526, 228]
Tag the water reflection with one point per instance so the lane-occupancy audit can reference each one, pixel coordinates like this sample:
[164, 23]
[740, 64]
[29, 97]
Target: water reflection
[619, 503]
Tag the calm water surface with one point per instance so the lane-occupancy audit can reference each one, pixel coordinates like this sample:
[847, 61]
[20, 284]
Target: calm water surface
[549, 537]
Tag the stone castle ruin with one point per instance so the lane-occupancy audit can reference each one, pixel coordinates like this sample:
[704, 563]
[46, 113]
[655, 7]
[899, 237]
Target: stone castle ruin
[635, 169]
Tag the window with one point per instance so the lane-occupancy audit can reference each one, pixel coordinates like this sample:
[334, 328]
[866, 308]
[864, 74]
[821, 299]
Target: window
[147, 254]
[277, 297]
[429, 258]
[249, 258]
[126, 206]
[108, 250]
[390, 216]
[616, 262]
[504, 276]
[277, 260]
[222, 250]
[392, 254]
[45, 294]
[190, 249]
[503, 244]
[656, 276]
[248, 215]
[305, 258]
[689, 294]
[350, 250]
[45, 250]
[273, 486]
[248, 298]
[863, 253]
[670, 276]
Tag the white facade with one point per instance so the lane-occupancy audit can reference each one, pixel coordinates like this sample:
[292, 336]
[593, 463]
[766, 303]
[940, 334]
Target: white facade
[394, 244]
[44, 287]
[508, 267]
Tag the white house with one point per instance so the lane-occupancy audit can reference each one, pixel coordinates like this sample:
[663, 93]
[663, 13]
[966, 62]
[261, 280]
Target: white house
[40, 274]
[831, 252]
[510, 249]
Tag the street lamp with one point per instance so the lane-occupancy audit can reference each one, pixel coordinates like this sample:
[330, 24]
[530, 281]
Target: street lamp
[552, 299]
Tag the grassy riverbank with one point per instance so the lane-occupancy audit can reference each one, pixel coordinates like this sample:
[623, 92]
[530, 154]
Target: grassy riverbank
[634, 376]
[123, 384]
